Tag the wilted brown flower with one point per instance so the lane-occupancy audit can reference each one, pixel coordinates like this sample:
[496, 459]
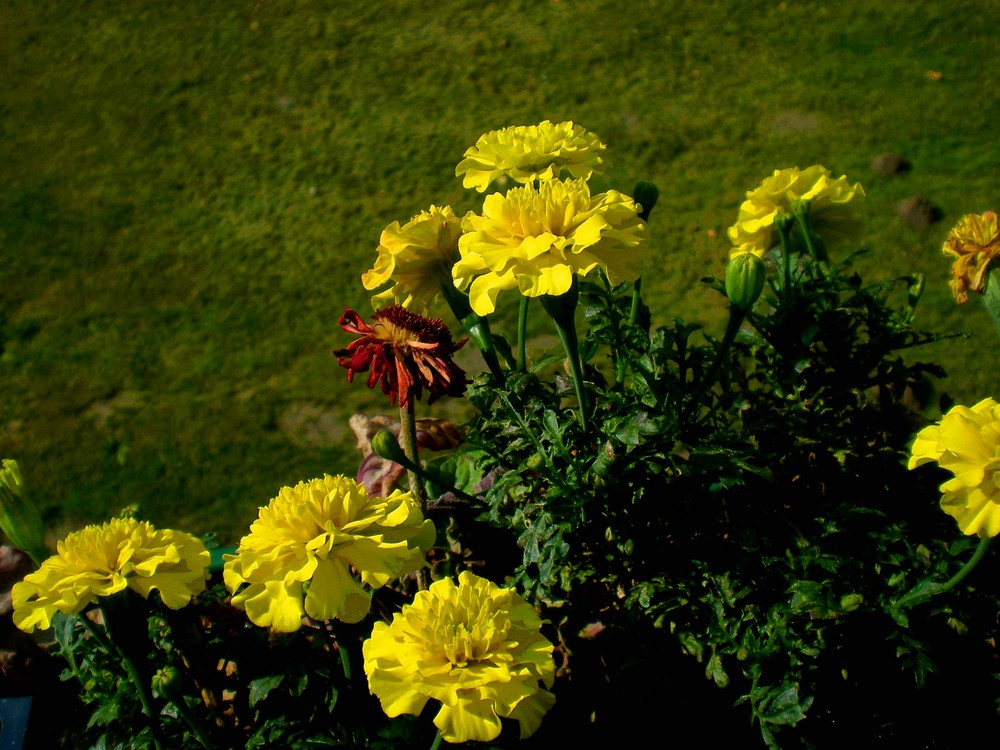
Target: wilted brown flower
[404, 353]
[974, 243]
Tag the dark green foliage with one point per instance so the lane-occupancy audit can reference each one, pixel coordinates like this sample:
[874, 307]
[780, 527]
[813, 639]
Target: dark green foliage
[763, 521]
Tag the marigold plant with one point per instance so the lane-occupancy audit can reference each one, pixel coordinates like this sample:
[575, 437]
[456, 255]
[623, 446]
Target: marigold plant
[476, 648]
[966, 442]
[536, 240]
[297, 559]
[98, 561]
[529, 153]
[754, 230]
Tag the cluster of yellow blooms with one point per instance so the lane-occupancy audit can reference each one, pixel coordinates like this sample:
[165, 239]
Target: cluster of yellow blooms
[534, 238]
[315, 551]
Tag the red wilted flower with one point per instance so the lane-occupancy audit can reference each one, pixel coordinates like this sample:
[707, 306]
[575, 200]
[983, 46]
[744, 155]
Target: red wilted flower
[405, 353]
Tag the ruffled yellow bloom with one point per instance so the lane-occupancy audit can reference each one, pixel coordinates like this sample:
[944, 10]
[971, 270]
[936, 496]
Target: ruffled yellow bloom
[975, 244]
[102, 560]
[536, 239]
[754, 230]
[417, 257]
[474, 647]
[298, 556]
[966, 442]
[532, 152]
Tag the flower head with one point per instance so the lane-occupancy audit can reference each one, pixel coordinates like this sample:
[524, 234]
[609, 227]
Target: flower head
[474, 647]
[537, 239]
[754, 230]
[102, 560]
[532, 152]
[298, 556]
[966, 442]
[417, 257]
[975, 244]
[404, 353]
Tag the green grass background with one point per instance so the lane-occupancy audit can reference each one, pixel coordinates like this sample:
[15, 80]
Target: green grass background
[191, 190]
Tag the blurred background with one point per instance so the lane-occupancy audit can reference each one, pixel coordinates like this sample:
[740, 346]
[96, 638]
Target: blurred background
[191, 191]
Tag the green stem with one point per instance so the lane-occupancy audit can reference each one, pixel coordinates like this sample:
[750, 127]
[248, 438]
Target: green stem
[736, 318]
[800, 210]
[408, 439]
[562, 310]
[522, 335]
[437, 741]
[924, 590]
[782, 224]
[633, 313]
[981, 548]
[125, 643]
[476, 326]
[345, 660]
[194, 723]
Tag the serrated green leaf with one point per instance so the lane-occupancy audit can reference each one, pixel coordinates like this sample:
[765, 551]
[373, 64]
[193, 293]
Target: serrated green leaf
[261, 687]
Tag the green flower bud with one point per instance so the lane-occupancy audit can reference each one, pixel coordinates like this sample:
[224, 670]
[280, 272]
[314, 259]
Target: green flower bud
[744, 280]
[387, 446]
[166, 682]
[19, 518]
[645, 194]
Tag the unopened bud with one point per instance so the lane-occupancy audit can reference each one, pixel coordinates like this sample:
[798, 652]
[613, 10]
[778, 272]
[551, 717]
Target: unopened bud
[385, 444]
[166, 682]
[744, 280]
[646, 194]
[19, 518]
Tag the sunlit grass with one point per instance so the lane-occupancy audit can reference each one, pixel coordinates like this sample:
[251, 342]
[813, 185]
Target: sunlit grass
[192, 190]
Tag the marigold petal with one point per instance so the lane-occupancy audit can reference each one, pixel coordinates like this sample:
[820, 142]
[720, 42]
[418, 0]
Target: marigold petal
[468, 721]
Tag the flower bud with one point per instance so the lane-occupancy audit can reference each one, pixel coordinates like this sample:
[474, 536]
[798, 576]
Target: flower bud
[19, 518]
[166, 682]
[744, 280]
[385, 444]
[645, 194]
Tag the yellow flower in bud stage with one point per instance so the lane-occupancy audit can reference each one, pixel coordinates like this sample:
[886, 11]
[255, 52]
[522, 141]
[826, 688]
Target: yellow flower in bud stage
[966, 442]
[754, 230]
[975, 244]
[475, 647]
[417, 258]
[532, 152]
[297, 559]
[537, 239]
[102, 560]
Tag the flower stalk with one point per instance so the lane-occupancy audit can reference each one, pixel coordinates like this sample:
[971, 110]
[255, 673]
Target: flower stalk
[126, 631]
[477, 326]
[562, 310]
[924, 590]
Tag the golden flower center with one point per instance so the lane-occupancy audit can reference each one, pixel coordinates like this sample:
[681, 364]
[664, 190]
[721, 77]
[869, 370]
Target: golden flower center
[392, 333]
[464, 642]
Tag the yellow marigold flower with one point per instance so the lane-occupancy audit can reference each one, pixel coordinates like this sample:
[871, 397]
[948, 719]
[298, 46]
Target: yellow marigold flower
[966, 442]
[102, 560]
[754, 230]
[298, 556]
[474, 647]
[417, 257]
[536, 239]
[975, 244]
[532, 152]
